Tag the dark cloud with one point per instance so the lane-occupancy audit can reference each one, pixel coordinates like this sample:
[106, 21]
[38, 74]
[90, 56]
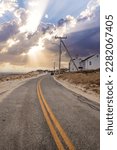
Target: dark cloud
[61, 22]
[84, 42]
[81, 43]
[8, 30]
[83, 34]
[47, 28]
[24, 44]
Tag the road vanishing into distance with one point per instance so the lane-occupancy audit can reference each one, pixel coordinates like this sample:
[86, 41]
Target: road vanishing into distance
[43, 115]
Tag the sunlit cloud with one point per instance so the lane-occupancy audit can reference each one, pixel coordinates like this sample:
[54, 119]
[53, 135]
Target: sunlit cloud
[27, 40]
[6, 5]
[89, 11]
[35, 13]
[37, 48]
[7, 8]
[12, 42]
[4, 50]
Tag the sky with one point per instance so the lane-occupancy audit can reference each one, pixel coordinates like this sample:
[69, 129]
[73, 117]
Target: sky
[28, 29]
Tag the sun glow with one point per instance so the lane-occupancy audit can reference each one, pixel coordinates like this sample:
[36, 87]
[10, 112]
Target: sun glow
[33, 51]
[36, 49]
[35, 11]
[4, 50]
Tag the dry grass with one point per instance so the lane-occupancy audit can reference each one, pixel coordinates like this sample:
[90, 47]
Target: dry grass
[90, 79]
[18, 76]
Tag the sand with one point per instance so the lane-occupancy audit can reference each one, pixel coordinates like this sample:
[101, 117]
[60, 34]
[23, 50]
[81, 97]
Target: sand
[7, 87]
[85, 84]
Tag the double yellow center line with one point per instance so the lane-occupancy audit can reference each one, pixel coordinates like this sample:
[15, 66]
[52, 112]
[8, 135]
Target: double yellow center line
[53, 123]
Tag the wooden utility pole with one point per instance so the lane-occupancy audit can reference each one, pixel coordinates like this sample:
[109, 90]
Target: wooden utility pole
[69, 55]
[54, 68]
[60, 50]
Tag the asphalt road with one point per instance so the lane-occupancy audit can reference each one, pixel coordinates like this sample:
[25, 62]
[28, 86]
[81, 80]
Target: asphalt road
[23, 126]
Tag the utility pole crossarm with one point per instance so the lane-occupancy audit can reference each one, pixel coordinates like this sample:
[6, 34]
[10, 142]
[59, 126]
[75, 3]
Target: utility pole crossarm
[59, 37]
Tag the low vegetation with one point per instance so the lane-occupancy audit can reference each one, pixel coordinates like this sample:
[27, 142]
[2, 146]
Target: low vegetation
[89, 79]
[7, 77]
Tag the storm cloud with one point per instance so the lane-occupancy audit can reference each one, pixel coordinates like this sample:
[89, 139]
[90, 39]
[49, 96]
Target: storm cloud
[27, 36]
[84, 42]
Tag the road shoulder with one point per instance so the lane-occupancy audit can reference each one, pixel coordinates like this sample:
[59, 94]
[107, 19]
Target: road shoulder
[7, 87]
[79, 90]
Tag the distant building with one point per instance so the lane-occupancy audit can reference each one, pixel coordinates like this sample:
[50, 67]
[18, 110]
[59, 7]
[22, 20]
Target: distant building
[85, 63]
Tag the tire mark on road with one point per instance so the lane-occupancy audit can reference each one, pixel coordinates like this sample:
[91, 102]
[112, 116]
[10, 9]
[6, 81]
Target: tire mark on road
[88, 102]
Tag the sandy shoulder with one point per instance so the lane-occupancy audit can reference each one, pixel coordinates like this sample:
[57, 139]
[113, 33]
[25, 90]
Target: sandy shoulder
[7, 87]
[79, 89]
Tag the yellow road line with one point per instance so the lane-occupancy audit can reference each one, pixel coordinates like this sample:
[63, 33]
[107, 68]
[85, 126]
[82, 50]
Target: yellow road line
[53, 131]
[56, 123]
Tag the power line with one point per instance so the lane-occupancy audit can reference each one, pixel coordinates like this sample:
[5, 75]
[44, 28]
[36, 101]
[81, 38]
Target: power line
[69, 55]
[60, 51]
